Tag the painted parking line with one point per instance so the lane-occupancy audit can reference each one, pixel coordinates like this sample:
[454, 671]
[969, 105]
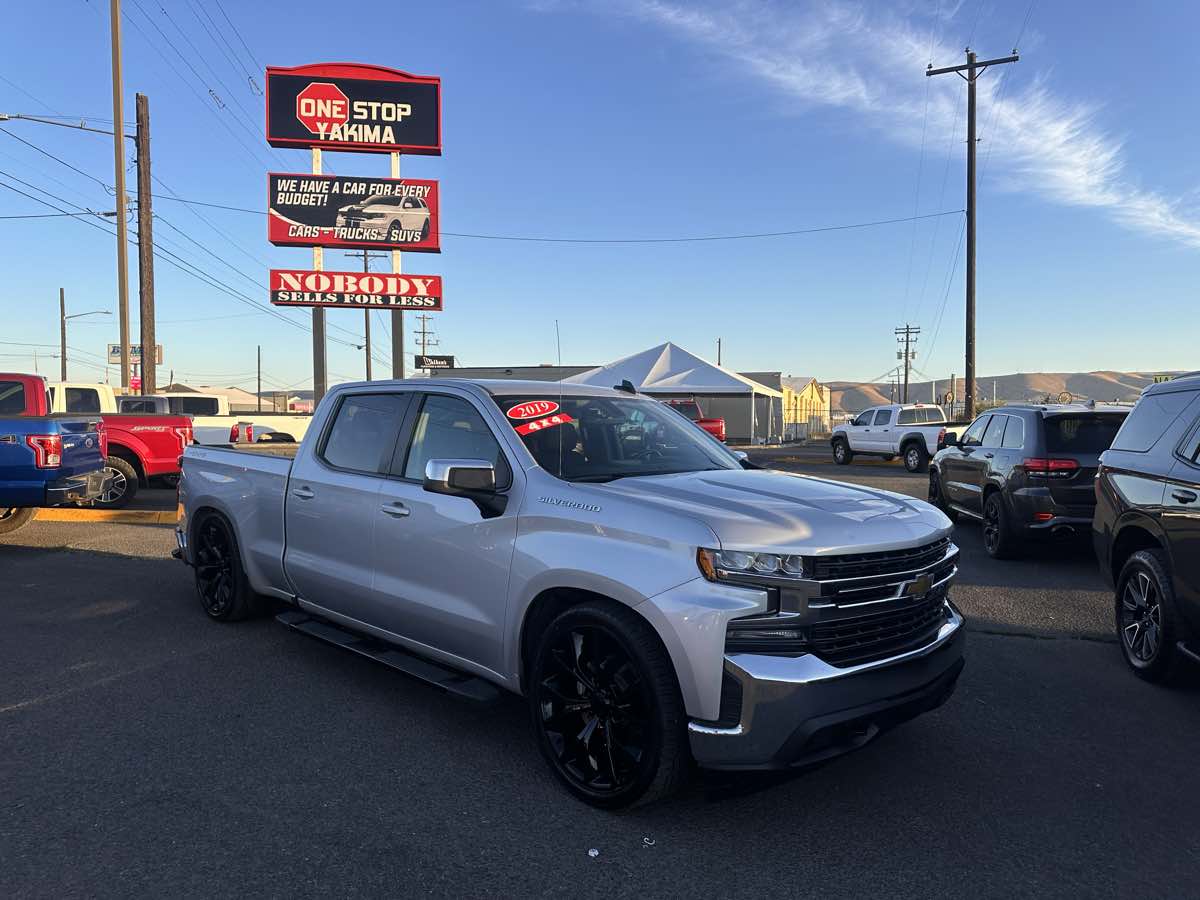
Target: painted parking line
[122, 516]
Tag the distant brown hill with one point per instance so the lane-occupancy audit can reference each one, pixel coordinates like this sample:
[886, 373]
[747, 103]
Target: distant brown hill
[851, 396]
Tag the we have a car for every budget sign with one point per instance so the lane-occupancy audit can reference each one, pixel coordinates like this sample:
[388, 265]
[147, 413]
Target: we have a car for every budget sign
[350, 211]
[356, 108]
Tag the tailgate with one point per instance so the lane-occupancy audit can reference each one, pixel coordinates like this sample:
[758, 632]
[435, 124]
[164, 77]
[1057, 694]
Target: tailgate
[80, 444]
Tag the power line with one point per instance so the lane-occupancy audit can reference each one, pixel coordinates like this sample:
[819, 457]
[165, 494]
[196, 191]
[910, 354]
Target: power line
[37, 100]
[58, 160]
[238, 35]
[1024, 23]
[223, 44]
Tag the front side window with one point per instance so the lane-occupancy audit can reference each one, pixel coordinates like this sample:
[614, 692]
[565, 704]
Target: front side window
[974, 435]
[363, 433]
[451, 428]
[994, 432]
[603, 438]
[83, 400]
[865, 418]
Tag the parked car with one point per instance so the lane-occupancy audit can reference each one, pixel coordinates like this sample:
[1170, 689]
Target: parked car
[387, 213]
[212, 421]
[142, 447]
[910, 431]
[1147, 529]
[691, 409]
[654, 600]
[1025, 471]
[45, 460]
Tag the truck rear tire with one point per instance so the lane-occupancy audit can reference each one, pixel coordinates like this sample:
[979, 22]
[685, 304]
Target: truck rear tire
[221, 583]
[842, 454]
[605, 707]
[915, 458]
[14, 517]
[124, 485]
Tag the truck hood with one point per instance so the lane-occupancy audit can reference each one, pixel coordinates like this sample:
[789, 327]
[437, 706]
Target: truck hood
[785, 513]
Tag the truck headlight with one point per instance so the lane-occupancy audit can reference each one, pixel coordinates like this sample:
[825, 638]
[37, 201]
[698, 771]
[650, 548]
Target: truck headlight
[716, 564]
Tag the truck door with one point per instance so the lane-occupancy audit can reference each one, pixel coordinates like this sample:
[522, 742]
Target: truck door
[441, 568]
[858, 432]
[332, 504]
[881, 432]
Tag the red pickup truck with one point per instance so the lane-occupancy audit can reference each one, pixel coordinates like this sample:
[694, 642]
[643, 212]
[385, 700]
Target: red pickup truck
[140, 447]
[691, 409]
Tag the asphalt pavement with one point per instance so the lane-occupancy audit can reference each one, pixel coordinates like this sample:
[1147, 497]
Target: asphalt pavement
[146, 751]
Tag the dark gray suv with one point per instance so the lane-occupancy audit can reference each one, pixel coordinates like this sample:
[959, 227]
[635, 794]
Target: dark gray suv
[1147, 529]
[1025, 471]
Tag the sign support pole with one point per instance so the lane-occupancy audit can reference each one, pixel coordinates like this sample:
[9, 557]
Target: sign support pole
[320, 380]
[397, 314]
[114, 9]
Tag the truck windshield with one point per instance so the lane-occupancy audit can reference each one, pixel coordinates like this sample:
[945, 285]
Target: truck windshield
[603, 438]
[1087, 433]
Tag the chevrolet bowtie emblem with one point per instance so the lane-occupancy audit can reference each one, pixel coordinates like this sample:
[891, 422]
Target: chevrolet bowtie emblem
[918, 587]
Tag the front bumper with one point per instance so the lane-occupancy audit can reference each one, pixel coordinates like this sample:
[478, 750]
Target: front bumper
[78, 488]
[795, 711]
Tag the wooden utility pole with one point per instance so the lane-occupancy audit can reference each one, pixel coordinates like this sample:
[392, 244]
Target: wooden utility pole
[718, 351]
[973, 69]
[62, 332]
[907, 336]
[114, 10]
[145, 249]
[367, 256]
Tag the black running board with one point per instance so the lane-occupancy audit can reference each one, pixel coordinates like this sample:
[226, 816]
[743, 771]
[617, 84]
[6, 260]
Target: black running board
[1192, 653]
[460, 684]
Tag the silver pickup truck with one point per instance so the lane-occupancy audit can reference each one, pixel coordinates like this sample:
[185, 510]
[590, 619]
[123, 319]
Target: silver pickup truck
[655, 597]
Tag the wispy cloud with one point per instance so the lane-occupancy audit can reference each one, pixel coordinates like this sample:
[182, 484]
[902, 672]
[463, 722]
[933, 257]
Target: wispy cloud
[844, 56]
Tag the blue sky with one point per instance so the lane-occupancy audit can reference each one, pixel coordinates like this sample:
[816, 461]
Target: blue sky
[639, 119]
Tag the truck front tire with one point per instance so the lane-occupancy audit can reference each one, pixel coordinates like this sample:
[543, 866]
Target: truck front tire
[605, 706]
[842, 454]
[14, 517]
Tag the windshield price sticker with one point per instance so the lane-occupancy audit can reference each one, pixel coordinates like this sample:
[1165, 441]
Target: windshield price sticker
[541, 424]
[533, 409]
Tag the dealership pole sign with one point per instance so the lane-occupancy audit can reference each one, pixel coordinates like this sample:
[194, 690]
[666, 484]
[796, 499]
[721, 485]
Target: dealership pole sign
[433, 362]
[350, 106]
[356, 290]
[352, 212]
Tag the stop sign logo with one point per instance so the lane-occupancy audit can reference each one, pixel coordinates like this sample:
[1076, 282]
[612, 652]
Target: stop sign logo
[322, 105]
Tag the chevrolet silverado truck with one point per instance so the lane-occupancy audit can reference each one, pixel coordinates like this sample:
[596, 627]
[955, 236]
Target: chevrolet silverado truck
[45, 460]
[912, 431]
[141, 446]
[656, 599]
[690, 409]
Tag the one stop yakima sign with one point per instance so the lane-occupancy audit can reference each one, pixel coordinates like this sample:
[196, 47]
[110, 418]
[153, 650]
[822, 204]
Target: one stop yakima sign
[321, 106]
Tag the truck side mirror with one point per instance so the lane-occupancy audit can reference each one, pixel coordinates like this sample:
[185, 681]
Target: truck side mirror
[460, 477]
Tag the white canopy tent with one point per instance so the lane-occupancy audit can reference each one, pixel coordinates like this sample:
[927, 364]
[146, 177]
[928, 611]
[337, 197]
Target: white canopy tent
[751, 410]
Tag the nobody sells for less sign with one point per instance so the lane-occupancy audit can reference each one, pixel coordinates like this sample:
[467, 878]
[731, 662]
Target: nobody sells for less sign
[378, 290]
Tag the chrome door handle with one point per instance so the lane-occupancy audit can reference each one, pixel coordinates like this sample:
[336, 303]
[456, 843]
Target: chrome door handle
[303, 493]
[1184, 496]
[396, 510]
[988, 455]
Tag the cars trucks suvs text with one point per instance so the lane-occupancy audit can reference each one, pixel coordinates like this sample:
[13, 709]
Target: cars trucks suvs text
[654, 600]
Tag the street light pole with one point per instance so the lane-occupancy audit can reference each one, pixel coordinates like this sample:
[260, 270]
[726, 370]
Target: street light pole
[114, 8]
[62, 326]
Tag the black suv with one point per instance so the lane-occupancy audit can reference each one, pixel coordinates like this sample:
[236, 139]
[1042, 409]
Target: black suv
[1026, 471]
[1147, 528]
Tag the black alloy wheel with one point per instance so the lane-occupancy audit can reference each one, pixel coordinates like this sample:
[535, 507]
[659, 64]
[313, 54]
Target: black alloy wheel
[123, 486]
[841, 453]
[221, 582]
[1148, 625]
[1141, 617]
[998, 540]
[914, 458]
[606, 709]
[937, 498]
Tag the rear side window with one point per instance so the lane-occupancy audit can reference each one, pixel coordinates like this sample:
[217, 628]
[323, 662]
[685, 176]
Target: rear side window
[83, 400]
[1083, 433]
[995, 431]
[363, 434]
[194, 406]
[1014, 434]
[909, 417]
[12, 398]
[451, 428]
[137, 406]
[883, 417]
[1149, 420]
[934, 414]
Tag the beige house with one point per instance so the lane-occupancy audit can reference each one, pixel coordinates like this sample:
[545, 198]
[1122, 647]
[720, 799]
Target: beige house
[805, 403]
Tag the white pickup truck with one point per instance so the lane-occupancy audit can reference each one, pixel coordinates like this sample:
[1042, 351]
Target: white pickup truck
[657, 598]
[911, 431]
